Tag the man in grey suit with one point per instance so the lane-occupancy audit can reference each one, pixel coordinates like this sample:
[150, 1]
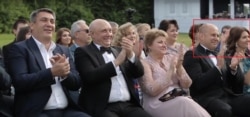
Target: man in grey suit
[80, 35]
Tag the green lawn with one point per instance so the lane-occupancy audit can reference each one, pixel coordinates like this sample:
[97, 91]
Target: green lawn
[184, 38]
[7, 38]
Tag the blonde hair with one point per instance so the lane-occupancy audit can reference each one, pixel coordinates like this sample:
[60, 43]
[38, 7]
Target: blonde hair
[121, 32]
[151, 35]
[141, 26]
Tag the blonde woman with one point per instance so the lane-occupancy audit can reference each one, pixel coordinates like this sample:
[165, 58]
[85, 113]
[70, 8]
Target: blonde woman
[164, 80]
[129, 31]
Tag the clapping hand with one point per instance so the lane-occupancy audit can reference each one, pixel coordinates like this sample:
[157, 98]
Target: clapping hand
[220, 56]
[224, 37]
[127, 44]
[60, 65]
[180, 56]
[238, 56]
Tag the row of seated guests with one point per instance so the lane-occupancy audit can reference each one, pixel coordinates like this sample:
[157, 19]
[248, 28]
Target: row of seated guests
[218, 78]
[160, 78]
[232, 89]
[43, 72]
[50, 73]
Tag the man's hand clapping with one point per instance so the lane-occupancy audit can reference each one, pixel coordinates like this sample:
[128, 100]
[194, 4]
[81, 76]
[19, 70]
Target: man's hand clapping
[127, 44]
[60, 65]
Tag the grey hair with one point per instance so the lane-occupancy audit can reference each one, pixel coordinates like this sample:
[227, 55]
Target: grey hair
[113, 24]
[76, 27]
[33, 15]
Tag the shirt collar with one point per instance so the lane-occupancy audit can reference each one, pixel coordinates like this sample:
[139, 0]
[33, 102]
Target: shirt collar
[98, 46]
[40, 45]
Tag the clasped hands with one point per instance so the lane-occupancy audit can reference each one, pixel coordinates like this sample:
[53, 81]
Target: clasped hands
[126, 52]
[60, 65]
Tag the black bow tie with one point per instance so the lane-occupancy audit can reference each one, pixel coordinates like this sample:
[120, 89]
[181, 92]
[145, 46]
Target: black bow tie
[211, 52]
[105, 49]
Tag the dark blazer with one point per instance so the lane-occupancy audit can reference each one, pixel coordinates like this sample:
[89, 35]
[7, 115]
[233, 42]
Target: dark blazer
[31, 79]
[208, 82]
[5, 52]
[6, 102]
[72, 49]
[96, 77]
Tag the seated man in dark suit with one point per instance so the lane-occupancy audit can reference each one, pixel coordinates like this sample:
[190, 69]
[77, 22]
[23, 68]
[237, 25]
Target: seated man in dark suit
[6, 102]
[107, 74]
[211, 75]
[19, 23]
[43, 72]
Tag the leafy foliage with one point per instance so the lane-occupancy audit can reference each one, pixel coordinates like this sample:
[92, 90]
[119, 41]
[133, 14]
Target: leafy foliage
[68, 11]
[115, 10]
[9, 13]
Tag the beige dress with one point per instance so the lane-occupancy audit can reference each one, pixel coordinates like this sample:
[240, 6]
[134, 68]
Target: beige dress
[180, 106]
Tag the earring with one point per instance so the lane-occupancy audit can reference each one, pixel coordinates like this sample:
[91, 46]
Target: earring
[236, 45]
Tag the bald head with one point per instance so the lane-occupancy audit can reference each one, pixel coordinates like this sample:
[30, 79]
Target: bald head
[209, 36]
[101, 32]
[97, 23]
[206, 27]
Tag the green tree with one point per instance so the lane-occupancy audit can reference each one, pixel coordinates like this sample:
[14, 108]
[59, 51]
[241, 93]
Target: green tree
[9, 12]
[115, 10]
[73, 12]
[68, 11]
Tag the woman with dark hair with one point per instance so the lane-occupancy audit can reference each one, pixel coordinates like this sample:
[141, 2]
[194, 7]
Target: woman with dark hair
[193, 34]
[172, 29]
[63, 37]
[238, 53]
[23, 34]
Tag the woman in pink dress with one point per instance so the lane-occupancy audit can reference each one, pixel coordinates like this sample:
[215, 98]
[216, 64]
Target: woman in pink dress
[163, 73]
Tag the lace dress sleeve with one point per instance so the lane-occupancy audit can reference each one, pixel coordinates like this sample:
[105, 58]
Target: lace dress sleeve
[183, 78]
[155, 80]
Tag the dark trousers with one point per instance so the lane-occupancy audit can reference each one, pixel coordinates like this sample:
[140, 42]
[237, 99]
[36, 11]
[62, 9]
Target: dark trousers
[6, 106]
[124, 109]
[230, 106]
[68, 112]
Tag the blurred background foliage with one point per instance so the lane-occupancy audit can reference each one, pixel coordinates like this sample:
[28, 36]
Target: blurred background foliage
[68, 11]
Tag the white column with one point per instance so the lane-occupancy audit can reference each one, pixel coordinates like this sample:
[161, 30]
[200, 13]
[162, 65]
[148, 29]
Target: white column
[232, 9]
[211, 8]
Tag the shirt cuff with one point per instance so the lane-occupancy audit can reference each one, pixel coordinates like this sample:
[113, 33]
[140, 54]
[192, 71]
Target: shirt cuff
[132, 59]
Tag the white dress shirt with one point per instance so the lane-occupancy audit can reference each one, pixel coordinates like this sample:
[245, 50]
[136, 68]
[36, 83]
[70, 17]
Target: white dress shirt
[58, 99]
[213, 59]
[119, 90]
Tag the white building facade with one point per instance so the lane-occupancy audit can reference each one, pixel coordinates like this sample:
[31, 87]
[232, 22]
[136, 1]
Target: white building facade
[188, 12]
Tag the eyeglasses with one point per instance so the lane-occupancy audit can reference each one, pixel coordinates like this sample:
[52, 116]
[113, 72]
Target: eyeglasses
[85, 30]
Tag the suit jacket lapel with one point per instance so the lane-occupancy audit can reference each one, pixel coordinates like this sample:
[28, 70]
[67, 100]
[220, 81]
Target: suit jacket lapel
[114, 51]
[200, 51]
[97, 56]
[36, 52]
